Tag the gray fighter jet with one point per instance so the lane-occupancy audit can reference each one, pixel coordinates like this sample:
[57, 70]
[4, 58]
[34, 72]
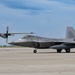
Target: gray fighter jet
[44, 43]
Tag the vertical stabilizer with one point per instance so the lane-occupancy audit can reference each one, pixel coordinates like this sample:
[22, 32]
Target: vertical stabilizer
[70, 33]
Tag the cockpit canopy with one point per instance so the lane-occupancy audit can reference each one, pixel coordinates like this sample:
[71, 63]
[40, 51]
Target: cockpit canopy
[28, 36]
[34, 38]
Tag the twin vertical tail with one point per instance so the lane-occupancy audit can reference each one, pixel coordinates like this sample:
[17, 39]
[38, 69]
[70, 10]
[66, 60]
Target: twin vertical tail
[70, 33]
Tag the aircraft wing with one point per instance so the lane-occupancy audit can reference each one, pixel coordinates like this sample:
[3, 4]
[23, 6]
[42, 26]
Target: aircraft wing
[57, 41]
[68, 41]
[20, 33]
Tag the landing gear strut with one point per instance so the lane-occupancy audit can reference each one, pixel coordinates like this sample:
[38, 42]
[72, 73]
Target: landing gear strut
[59, 50]
[67, 50]
[35, 51]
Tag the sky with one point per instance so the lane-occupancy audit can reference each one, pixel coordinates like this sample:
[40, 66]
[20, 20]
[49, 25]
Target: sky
[47, 18]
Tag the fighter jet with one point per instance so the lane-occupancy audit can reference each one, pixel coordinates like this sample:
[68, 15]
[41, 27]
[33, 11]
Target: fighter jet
[6, 34]
[38, 42]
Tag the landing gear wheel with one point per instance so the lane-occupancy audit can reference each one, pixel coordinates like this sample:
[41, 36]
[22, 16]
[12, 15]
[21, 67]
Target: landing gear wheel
[35, 51]
[67, 50]
[59, 50]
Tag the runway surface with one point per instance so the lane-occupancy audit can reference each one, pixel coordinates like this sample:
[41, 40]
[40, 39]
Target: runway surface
[22, 61]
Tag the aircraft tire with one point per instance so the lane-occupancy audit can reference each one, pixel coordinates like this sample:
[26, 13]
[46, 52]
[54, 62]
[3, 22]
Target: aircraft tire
[35, 51]
[67, 50]
[59, 50]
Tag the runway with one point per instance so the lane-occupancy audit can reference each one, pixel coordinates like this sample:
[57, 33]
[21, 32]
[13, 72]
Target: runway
[22, 61]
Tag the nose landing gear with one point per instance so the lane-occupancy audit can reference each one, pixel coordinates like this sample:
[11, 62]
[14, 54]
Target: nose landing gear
[35, 51]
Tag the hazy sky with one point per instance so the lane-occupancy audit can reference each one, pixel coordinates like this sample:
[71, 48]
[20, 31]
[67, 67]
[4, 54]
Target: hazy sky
[48, 18]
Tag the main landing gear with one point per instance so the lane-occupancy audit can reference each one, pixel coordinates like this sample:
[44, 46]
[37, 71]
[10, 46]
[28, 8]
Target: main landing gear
[67, 50]
[59, 50]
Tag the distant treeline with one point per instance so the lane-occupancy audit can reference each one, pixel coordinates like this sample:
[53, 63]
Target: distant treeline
[5, 46]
